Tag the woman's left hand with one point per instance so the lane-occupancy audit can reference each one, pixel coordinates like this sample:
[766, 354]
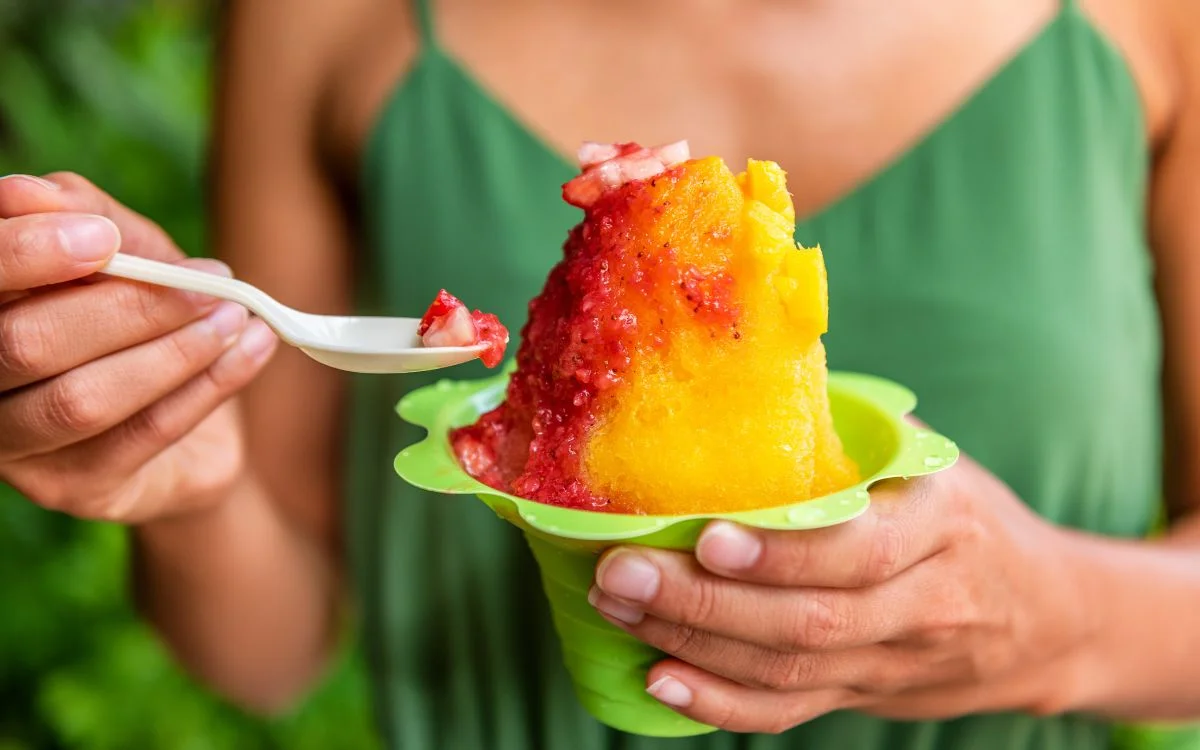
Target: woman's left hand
[949, 596]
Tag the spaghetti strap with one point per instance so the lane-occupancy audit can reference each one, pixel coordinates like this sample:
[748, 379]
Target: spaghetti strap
[424, 16]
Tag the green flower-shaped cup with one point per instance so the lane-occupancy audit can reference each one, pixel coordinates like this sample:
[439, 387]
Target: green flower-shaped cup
[608, 666]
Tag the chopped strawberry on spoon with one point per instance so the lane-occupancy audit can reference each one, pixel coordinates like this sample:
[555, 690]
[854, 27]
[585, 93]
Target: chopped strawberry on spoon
[447, 322]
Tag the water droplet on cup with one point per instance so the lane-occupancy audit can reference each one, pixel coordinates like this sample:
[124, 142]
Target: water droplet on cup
[862, 495]
[405, 453]
[933, 462]
[923, 435]
[442, 385]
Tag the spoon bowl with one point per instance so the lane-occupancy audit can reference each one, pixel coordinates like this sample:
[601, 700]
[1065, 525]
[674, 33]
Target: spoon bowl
[378, 345]
[374, 345]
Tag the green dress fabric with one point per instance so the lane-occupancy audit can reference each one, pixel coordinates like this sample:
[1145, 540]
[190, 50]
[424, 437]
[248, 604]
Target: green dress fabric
[999, 269]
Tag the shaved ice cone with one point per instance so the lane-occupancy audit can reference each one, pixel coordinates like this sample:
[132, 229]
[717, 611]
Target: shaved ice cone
[671, 373]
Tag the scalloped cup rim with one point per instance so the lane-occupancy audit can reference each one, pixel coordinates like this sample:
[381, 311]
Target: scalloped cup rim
[430, 464]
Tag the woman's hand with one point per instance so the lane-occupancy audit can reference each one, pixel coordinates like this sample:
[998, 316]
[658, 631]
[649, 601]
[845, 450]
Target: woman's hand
[948, 597]
[111, 391]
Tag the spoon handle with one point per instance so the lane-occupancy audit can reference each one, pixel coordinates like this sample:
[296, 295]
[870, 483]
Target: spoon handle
[273, 312]
[191, 280]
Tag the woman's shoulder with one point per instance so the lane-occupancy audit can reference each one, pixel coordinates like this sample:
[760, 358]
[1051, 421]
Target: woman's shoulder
[312, 64]
[1147, 34]
[372, 45]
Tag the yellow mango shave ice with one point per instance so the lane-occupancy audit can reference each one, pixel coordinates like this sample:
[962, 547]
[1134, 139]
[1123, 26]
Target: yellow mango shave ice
[673, 362]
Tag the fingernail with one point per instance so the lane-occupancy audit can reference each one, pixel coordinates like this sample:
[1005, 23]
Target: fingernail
[727, 546]
[44, 184]
[629, 576]
[88, 238]
[228, 320]
[615, 609]
[671, 691]
[258, 341]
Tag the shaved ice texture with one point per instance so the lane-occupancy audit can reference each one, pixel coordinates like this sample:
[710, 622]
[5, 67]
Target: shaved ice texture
[672, 363]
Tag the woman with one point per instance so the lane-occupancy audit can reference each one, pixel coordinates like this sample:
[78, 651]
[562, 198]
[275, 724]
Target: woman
[991, 182]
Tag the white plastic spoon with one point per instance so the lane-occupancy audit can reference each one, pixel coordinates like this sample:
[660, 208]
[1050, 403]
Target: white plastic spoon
[356, 344]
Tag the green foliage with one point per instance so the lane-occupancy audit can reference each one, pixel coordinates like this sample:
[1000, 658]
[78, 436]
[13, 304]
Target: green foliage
[1151, 737]
[117, 91]
[121, 97]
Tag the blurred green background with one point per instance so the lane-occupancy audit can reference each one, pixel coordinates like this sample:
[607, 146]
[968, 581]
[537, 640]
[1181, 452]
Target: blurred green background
[117, 90]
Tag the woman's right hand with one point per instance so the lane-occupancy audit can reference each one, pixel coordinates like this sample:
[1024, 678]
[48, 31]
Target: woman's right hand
[114, 396]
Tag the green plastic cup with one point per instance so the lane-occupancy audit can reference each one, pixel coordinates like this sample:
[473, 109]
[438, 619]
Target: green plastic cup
[608, 666]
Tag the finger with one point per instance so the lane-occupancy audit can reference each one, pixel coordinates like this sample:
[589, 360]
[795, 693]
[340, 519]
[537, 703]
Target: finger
[44, 249]
[49, 333]
[725, 704]
[876, 668]
[7, 297]
[101, 394]
[21, 195]
[901, 528]
[64, 479]
[673, 587]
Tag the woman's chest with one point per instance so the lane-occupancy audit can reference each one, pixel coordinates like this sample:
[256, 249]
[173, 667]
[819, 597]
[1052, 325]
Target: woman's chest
[832, 91]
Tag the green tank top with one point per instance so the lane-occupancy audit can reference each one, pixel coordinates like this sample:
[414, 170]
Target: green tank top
[999, 269]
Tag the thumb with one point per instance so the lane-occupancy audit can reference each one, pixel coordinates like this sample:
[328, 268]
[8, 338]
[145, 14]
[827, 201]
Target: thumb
[45, 249]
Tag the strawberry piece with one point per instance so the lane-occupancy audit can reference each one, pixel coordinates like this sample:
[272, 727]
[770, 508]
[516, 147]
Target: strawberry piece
[608, 166]
[447, 322]
[443, 304]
